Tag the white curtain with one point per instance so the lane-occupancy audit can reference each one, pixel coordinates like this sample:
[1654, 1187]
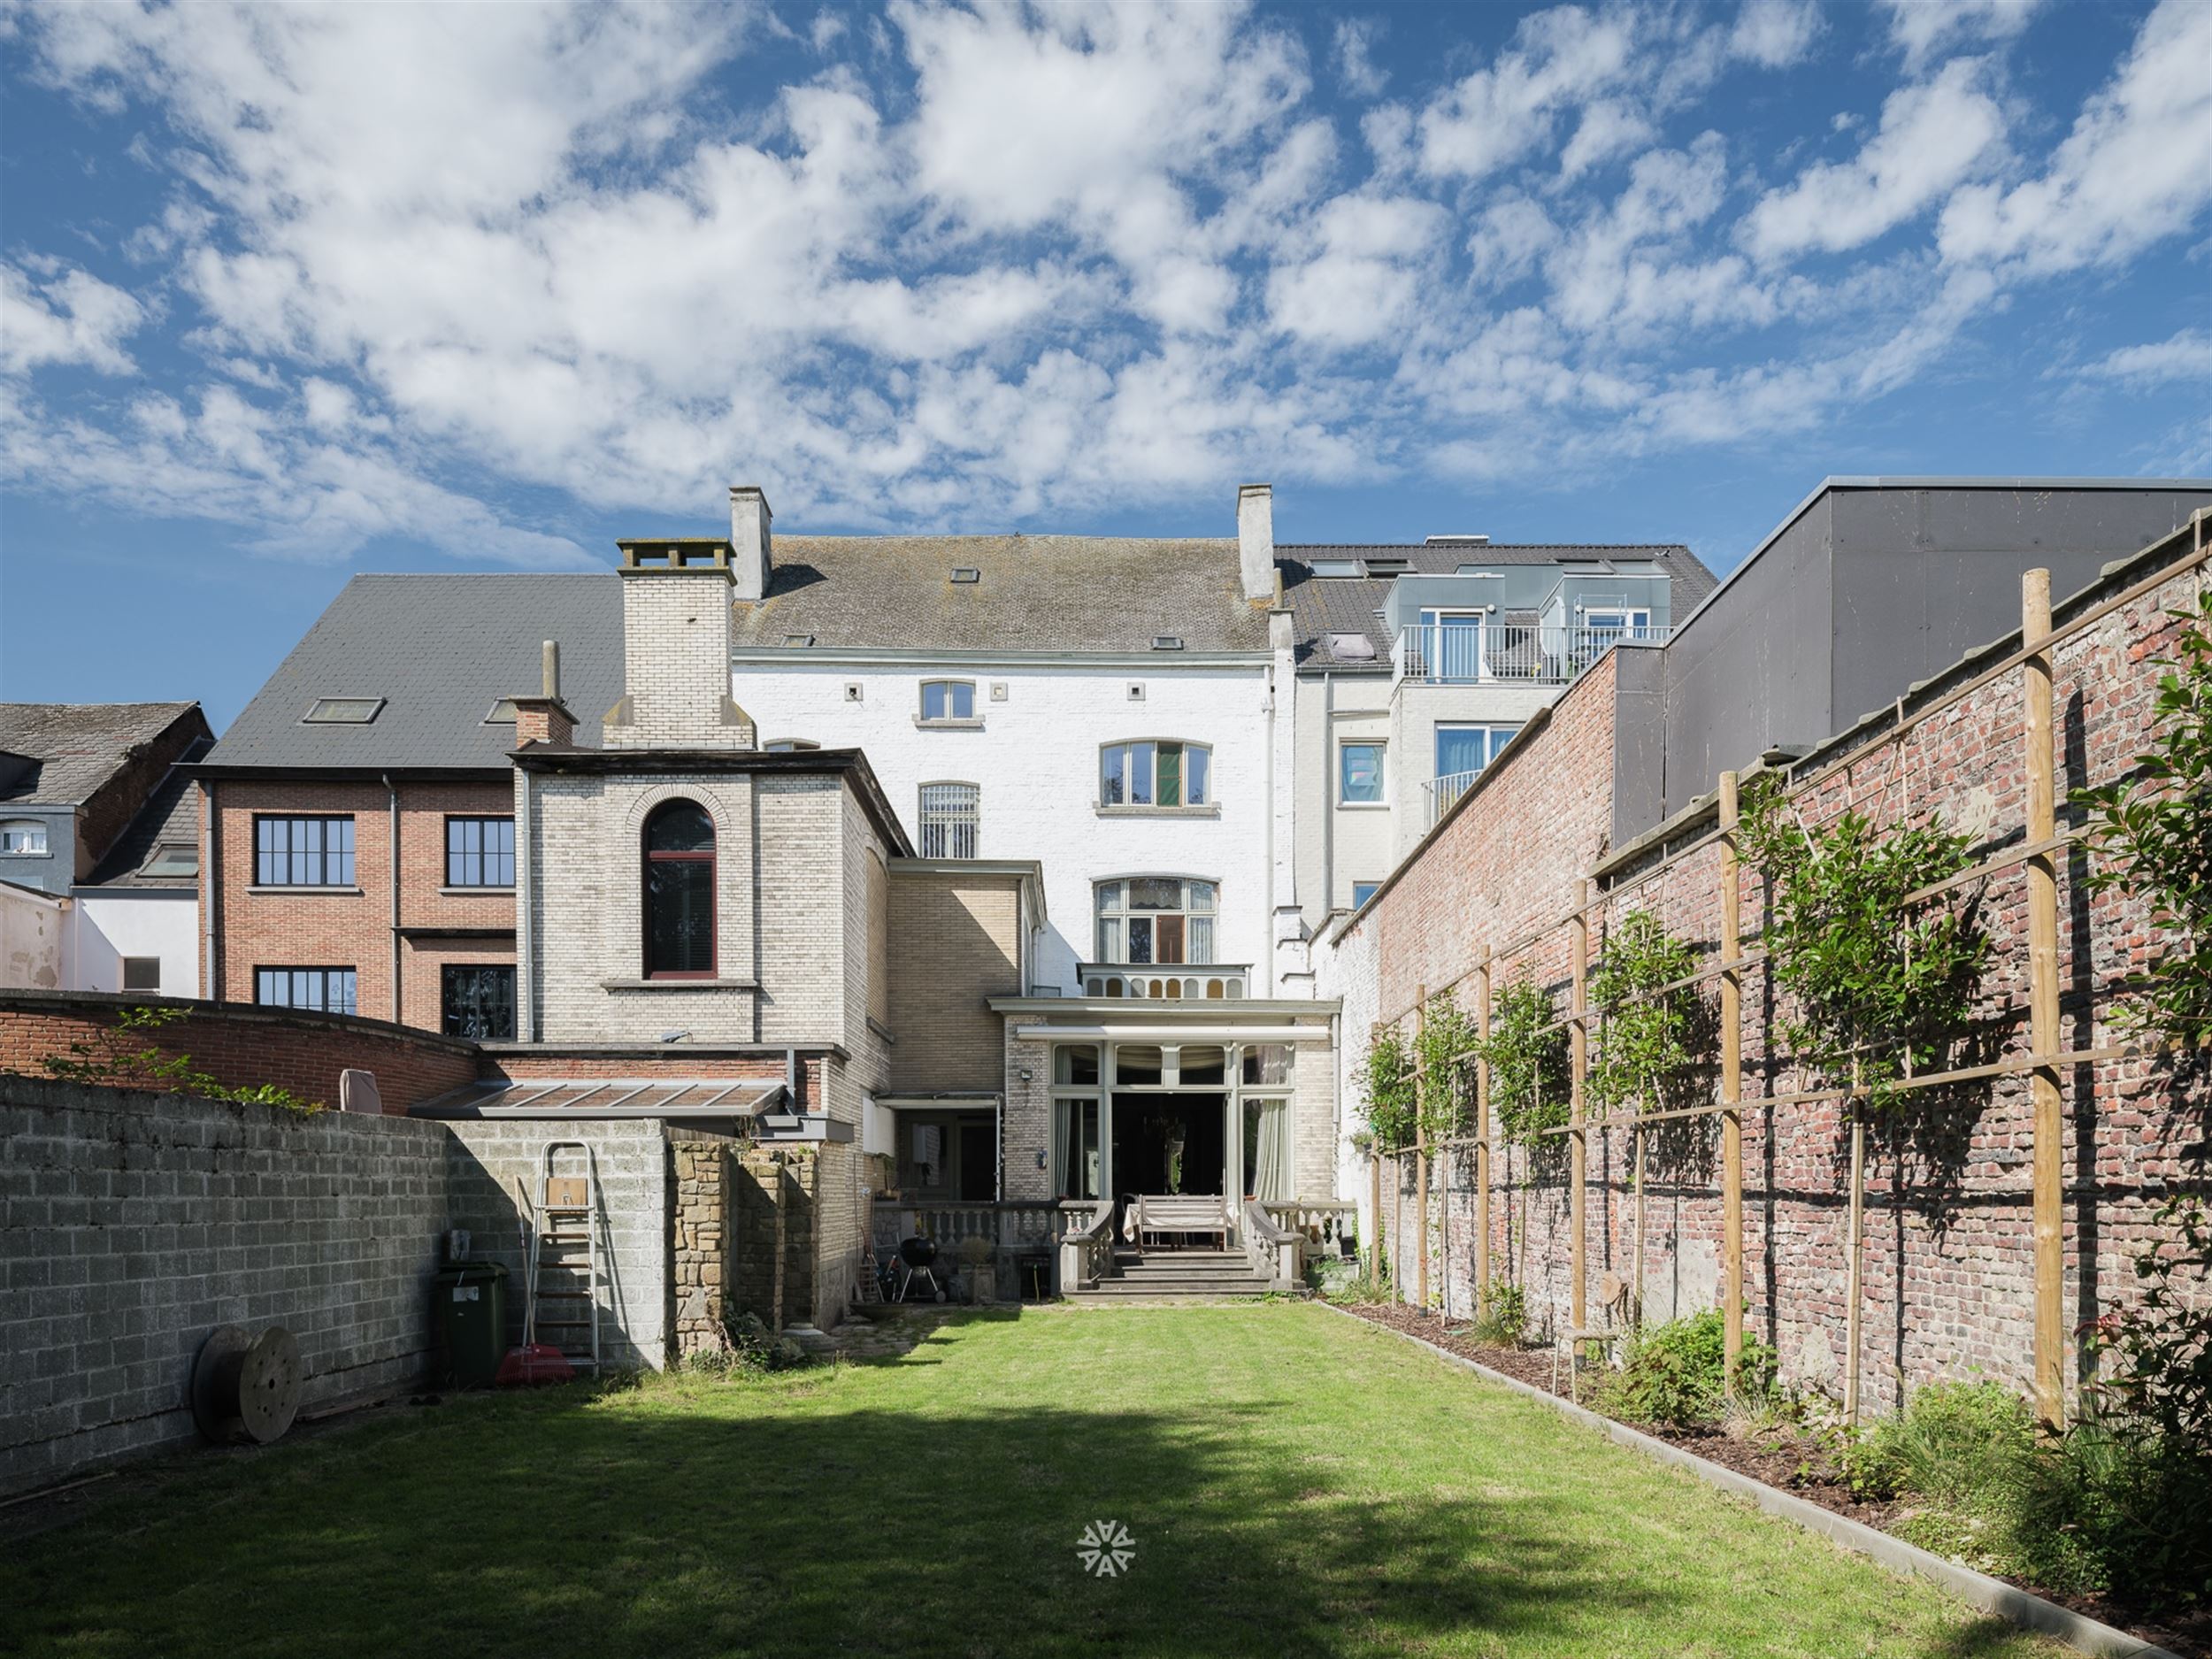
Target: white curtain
[1272, 1181]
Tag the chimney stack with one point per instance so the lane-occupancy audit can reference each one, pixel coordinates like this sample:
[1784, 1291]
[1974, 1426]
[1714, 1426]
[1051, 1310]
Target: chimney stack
[752, 551]
[550, 657]
[545, 719]
[1256, 540]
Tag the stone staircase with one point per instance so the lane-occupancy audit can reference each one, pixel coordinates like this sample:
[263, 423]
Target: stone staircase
[1159, 1275]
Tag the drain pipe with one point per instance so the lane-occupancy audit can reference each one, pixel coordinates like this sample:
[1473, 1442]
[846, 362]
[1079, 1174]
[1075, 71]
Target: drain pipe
[392, 790]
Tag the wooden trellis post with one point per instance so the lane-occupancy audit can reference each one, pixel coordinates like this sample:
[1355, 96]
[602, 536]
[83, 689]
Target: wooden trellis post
[1374, 1189]
[1855, 1239]
[2042, 826]
[1577, 1137]
[1421, 1150]
[1482, 1140]
[1731, 1092]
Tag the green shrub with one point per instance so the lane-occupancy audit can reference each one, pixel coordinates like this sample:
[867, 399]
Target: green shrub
[1952, 1442]
[1675, 1373]
[1505, 1317]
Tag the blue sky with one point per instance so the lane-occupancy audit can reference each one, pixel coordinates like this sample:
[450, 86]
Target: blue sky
[290, 293]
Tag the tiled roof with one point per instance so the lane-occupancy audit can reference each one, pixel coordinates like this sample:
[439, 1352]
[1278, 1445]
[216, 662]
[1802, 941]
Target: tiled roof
[1323, 605]
[77, 746]
[441, 649]
[170, 818]
[1032, 592]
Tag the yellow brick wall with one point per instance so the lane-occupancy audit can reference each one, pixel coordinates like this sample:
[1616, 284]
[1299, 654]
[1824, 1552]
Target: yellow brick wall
[956, 942]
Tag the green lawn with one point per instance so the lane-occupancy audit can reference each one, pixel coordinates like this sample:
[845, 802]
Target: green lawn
[1295, 1484]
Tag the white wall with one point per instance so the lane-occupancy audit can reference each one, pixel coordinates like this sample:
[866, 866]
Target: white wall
[1418, 710]
[1035, 756]
[32, 937]
[108, 926]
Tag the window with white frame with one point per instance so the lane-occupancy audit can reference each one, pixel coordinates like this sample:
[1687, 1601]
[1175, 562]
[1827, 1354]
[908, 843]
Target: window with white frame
[1156, 919]
[1153, 772]
[1451, 644]
[1602, 628]
[952, 819]
[947, 700]
[1359, 773]
[1462, 750]
[23, 838]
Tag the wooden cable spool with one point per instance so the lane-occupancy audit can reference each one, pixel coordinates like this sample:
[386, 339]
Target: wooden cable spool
[245, 1389]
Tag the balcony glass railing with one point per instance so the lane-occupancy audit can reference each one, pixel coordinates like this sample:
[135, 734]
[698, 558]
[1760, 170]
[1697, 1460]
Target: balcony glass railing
[1509, 653]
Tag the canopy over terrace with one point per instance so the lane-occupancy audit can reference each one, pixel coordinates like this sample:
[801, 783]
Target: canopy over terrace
[755, 1107]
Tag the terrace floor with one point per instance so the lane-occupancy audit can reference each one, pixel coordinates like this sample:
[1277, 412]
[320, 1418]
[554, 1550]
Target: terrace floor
[1291, 1482]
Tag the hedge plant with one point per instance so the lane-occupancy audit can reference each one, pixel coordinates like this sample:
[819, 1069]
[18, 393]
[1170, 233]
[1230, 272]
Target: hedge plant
[1386, 1076]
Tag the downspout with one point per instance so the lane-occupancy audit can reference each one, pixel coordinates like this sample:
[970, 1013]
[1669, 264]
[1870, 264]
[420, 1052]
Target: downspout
[392, 789]
[211, 976]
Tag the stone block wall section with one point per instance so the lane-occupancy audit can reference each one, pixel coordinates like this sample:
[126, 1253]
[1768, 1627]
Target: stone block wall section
[243, 1046]
[1947, 1260]
[131, 1225]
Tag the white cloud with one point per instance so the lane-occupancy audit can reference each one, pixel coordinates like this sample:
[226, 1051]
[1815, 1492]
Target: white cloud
[2188, 357]
[65, 315]
[1559, 59]
[1366, 273]
[1775, 33]
[1356, 65]
[1919, 26]
[2131, 173]
[1933, 136]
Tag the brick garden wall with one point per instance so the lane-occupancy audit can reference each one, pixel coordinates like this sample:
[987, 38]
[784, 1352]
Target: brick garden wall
[241, 1045]
[1947, 1260]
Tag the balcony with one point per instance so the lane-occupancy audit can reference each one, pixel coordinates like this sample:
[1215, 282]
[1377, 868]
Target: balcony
[1437, 794]
[1508, 653]
[1166, 981]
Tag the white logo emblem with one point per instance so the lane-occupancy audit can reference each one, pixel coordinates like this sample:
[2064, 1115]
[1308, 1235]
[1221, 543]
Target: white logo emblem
[1106, 1549]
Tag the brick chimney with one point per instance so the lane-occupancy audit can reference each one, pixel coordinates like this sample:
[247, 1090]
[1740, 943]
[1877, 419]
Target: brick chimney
[676, 637]
[545, 719]
[1255, 540]
[752, 550]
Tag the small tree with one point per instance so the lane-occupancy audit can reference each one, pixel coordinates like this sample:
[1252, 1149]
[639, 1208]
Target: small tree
[1441, 1049]
[1386, 1076]
[1645, 1031]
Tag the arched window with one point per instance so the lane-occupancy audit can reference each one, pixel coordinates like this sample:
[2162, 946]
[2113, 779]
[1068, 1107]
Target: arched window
[679, 892]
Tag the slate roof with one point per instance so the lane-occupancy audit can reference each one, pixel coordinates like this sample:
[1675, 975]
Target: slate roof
[75, 747]
[170, 817]
[1323, 605]
[441, 649]
[1034, 593]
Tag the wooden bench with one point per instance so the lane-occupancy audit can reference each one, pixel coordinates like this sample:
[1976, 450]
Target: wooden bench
[1157, 1213]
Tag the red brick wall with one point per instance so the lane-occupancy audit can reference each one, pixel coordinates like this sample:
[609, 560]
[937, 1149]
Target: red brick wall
[315, 930]
[244, 1047]
[1947, 1260]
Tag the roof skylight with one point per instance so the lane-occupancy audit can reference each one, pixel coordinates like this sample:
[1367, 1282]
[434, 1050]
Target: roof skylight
[503, 713]
[966, 573]
[1334, 567]
[173, 858]
[344, 710]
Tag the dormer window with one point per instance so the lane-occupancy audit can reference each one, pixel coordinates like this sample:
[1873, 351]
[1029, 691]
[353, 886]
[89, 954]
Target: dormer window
[1388, 567]
[1336, 568]
[948, 702]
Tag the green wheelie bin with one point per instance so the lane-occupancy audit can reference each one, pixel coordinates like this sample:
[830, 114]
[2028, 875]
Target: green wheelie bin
[469, 1305]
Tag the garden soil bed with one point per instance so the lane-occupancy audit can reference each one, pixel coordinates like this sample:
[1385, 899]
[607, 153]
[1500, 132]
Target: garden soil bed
[1784, 1458]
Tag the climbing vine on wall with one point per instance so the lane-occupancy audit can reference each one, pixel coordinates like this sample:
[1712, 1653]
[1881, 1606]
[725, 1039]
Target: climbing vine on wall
[1443, 1049]
[1527, 1056]
[2152, 832]
[1875, 980]
[1649, 1028]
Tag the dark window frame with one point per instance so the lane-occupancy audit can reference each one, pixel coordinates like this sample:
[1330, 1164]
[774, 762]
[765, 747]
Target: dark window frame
[351, 976]
[483, 855]
[446, 1024]
[652, 858]
[273, 864]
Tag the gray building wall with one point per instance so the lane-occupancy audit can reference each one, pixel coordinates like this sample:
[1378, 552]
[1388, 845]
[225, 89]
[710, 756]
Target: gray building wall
[1870, 586]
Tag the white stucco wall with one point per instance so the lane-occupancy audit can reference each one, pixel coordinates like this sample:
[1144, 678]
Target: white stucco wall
[109, 924]
[33, 938]
[1417, 711]
[1348, 969]
[1035, 756]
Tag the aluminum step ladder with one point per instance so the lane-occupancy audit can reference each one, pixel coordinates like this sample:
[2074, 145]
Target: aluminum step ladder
[566, 1270]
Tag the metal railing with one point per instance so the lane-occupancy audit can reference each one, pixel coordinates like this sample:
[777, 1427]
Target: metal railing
[1168, 981]
[951, 820]
[1440, 793]
[1508, 653]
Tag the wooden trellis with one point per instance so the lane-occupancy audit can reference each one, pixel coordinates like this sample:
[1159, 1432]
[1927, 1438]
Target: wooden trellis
[2042, 843]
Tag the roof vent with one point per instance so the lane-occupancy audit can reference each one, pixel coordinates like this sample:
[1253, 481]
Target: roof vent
[1167, 641]
[1458, 541]
[798, 639]
[966, 573]
[1351, 647]
[344, 710]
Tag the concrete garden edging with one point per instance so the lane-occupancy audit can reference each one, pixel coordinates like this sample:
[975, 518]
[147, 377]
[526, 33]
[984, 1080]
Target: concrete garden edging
[2008, 1601]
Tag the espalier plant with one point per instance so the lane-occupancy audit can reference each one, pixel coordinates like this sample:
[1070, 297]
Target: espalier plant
[1386, 1077]
[1527, 1056]
[1443, 1050]
[1873, 980]
[2152, 832]
[1645, 1032]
